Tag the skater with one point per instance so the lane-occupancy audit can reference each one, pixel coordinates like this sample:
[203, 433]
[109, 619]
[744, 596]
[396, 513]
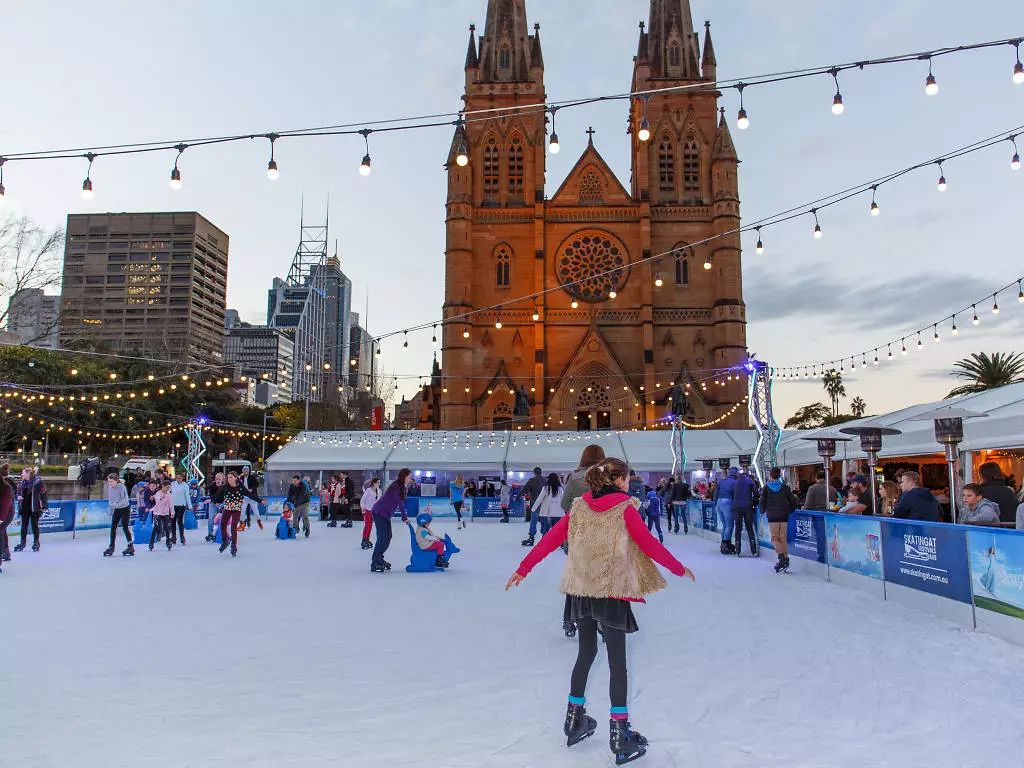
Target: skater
[609, 567]
[215, 492]
[778, 502]
[181, 499]
[505, 499]
[677, 490]
[457, 495]
[575, 487]
[8, 492]
[333, 498]
[120, 514]
[426, 539]
[391, 501]
[744, 497]
[251, 483]
[653, 504]
[531, 491]
[549, 501]
[723, 507]
[163, 515]
[32, 502]
[232, 499]
[371, 495]
[298, 497]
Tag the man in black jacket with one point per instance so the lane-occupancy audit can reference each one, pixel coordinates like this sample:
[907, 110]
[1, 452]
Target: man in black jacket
[778, 502]
[251, 483]
[995, 489]
[916, 503]
[677, 490]
[298, 498]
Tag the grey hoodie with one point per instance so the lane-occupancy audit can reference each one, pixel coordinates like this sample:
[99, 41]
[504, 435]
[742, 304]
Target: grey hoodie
[575, 487]
[117, 497]
[984, 511]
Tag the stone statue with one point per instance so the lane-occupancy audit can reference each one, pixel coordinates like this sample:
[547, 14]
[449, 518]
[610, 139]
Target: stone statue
[522, 406]
[677, 398]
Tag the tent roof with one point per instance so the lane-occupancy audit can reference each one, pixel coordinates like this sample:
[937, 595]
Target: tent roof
[1001, 427]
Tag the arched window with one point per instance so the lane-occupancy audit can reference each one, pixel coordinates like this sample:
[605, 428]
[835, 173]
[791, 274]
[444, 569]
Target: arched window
[492, 168]
[666, 166]
[691, 169]
[505, 57]
[674, 55]
[503, 266]
[591, 189]
[682, 264]
[515, 166]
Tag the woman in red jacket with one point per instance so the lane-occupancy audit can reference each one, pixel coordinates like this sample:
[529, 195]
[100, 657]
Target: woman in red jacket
[608, 569]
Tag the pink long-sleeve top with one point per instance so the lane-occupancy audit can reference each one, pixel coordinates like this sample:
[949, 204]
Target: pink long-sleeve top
[635, 526]
[163, 504]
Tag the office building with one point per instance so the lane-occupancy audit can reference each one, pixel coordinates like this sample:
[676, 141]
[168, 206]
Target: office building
[261, 353]
[33, 318]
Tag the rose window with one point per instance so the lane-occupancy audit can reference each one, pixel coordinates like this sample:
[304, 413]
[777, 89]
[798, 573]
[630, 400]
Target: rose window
[591, 265]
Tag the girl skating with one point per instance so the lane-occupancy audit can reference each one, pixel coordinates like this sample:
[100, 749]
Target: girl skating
[163, 515]
[233, 499]
[120, 514]
[392, 501]
[609, 567]
[371, 495]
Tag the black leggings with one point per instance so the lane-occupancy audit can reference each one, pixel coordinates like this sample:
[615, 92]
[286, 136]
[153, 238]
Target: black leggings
[457, 506]
[178, 524]
[162, 527]
[744, 517]
[120, 517]
[27, 517]
[615, 641]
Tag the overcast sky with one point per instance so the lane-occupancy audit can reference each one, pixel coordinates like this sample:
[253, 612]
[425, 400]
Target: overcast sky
[110, 72]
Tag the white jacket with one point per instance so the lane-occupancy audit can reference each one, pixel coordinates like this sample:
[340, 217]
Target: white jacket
[548, 505]
[369, 498]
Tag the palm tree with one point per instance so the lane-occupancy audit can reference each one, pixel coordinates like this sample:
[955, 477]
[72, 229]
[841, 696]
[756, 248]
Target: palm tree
[833, 383]
[858, 407]
[983, 371]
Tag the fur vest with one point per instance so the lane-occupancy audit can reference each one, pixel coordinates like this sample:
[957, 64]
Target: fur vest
[604, 561]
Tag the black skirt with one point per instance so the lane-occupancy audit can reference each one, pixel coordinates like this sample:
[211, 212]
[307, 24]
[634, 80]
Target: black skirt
[606, 611]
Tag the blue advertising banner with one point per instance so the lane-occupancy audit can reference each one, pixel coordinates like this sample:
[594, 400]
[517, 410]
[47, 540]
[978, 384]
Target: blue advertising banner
[91, 514]
[855, 544]
[490, 506]
[437, 506]
[997, 565]
[58, 517]
[931, 557]
[806, 535]
[764, 533]
[709, 517]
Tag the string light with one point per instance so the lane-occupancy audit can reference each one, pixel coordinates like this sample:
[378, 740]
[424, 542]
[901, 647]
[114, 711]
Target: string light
[954, 330]
[644, 134]
[535, 316]
[817, 225]
[462, 155]
[176, 182]
[497, 322]
[364, 167]
[658, 282]
[903, 345]
[837, 100]
[941, 186]
[759, 248]
[405, 343]
[272, 172]
[975, 320]
[742, 121]
[87, 184]
[876, 357]
[931, 87]
[612, 294]
[875, 210]
[1018, 68]
[920, 346]
[574, 304]
[935, 334]
[465, 333]
[1014, 161]
[2, 190]
[553, 146]
[995, 305]
[890, 351]
[707, 262]
[1020, 292]
[434, 340]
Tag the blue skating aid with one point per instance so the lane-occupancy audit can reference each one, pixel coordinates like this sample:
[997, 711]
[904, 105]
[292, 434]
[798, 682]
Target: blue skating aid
[283, 530]
[190, 520]
[143, 528]
[422, 560]
[449, 548]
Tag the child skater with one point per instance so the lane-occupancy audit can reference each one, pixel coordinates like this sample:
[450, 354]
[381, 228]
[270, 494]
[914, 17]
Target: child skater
[163, 514]
[233, 500]
[608, 569]
[427, 540]
[654, 514]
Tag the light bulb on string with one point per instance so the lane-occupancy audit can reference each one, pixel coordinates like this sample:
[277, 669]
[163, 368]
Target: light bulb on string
[87, 184]
[742, 121]
[1018, 68]
[434, 339]
[465, 333]
[497, 322]
[535, 316]
[837, 100]
[707, 262]
[1020, 292]
[176, 182]
[876, 358]
[954, 330]
[364, 167]
[903, 346]
[759, 248]
[2, 190]
[890, 351]
[612, 294]
[935, 334]
[941, 185]
[817, 224]
[875, 210]
[462, 154]
[1015, 160]
[995, 305]
[931, 87]
[405, 342]
[272, 172]
[863, 361]
[658, 282]
[975, 320]
[920, 345]
[644, 133]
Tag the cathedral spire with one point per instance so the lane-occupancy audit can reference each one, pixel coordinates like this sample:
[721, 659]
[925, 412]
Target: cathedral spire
[708, 64]
[536, 56]
[471, 58]
[505, 46]
[671, 42]
[723, 149]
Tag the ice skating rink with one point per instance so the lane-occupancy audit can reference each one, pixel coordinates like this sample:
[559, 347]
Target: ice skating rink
[294, 655]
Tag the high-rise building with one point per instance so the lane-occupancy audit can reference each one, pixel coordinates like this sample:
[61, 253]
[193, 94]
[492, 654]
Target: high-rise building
[232, 318]
[361, 358]
[612, 327]
[153, 282]
[337, 321]
[261, 353]
[34, 318]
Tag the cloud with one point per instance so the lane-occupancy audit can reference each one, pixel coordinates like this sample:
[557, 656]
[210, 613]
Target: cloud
[903, 302]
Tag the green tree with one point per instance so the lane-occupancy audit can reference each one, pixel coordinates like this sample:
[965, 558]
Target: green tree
[809, 417]
[858, 407]
[833, 383]
[982, 371]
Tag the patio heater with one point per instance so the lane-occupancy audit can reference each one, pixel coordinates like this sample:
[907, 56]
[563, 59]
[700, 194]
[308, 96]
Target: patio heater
[949, 432]
[871, 444]
[746, 461]
[724, 464]
[827, 450]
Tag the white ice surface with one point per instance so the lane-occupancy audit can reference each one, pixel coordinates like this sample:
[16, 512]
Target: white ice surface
[293, 654]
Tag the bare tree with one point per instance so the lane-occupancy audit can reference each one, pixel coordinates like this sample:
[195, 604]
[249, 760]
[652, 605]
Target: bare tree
[29, 258]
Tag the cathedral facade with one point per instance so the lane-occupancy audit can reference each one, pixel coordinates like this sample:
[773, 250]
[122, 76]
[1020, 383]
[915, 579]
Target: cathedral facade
[556, 296]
